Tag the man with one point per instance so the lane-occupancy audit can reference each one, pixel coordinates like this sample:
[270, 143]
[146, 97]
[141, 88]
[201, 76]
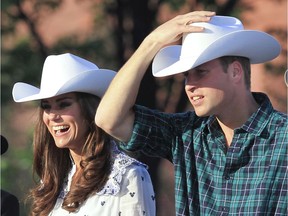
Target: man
[230, 153]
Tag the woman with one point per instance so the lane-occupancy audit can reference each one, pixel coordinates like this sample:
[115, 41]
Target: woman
[81, 171]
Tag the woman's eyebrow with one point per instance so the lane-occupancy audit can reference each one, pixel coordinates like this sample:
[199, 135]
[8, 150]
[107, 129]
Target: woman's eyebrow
[57, 100]
[64, 98]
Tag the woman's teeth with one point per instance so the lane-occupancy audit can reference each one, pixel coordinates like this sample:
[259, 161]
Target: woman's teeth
[59, 129]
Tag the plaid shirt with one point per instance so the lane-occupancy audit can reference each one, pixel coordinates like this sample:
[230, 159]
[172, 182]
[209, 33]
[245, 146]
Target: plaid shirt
[248, 178]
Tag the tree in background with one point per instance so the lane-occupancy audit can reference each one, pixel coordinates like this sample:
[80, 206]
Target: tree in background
[119, 27]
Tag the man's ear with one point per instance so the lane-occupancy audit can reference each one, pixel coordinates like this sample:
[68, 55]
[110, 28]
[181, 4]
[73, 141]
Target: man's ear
[237, 71]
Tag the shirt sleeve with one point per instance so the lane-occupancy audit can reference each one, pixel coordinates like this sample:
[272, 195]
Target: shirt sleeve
[153, 133]
[137, 195]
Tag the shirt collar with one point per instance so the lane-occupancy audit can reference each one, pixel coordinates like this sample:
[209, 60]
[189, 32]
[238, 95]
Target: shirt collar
[256, 122]
[259, 119]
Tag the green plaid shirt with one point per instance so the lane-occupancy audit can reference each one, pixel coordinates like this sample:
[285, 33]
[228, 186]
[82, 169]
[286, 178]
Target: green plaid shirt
[248, 178]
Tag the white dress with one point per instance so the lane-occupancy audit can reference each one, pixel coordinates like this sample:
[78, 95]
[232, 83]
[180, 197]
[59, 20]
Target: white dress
[128, 192]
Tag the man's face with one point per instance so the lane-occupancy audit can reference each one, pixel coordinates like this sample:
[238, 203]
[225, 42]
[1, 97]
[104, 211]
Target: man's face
[209, 88]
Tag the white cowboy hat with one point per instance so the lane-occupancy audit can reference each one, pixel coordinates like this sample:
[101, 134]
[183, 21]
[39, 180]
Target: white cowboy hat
[62, 74]
[223, 36]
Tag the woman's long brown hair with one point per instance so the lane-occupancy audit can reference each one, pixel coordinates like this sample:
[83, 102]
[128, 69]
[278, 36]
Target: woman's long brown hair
[52, 164]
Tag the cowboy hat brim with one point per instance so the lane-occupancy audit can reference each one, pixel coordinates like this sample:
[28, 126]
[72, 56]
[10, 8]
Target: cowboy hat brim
[94, 82]
[258, 46]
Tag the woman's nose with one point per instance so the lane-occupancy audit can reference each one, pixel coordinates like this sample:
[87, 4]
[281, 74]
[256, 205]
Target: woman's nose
[53, 115]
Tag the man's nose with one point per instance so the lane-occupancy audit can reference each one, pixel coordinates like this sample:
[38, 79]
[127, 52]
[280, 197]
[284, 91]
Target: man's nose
[190, 85]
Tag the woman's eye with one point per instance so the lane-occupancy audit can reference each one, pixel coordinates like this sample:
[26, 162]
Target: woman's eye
[45, 106]
[64, 105]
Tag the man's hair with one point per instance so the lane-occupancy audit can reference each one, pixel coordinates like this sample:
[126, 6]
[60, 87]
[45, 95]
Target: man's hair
[245, 63]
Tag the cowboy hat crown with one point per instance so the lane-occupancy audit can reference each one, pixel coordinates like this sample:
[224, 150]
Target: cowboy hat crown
[222, 36]
[62, 74]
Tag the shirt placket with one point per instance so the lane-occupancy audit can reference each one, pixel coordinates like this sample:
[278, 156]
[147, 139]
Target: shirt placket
[231, 160]
[227, 183]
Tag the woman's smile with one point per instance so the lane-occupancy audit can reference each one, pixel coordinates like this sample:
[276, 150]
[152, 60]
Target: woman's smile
[61, 129]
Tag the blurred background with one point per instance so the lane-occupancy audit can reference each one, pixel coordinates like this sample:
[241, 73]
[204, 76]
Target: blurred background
[107, 32]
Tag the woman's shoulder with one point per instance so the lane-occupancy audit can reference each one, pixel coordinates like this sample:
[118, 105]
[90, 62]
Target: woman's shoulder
[122, 164]
[122, 160]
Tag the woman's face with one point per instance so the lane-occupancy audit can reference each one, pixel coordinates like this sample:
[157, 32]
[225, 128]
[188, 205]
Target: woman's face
[64, 120]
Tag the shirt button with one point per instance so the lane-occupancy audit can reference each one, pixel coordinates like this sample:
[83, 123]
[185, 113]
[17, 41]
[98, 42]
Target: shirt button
[225, 210]
[226, 177]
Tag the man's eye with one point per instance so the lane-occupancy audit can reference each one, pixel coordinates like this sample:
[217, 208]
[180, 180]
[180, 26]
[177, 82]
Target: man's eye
[201, 73]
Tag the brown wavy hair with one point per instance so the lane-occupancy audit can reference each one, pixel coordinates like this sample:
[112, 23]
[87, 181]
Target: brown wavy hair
[51, 165]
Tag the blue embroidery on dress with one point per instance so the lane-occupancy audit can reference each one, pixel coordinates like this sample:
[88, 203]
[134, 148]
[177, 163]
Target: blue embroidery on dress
[121, 162]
